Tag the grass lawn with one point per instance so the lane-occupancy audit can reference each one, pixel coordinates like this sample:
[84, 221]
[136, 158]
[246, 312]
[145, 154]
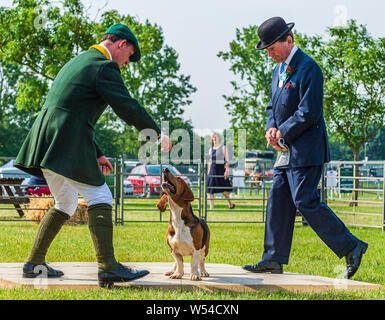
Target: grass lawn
[236, 244]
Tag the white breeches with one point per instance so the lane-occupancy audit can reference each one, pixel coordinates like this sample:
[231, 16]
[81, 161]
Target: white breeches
[65, 192]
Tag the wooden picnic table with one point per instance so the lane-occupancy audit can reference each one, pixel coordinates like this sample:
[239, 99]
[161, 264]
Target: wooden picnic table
[8, 197]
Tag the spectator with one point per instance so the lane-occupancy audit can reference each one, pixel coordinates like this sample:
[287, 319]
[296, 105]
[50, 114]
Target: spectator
[218, 171]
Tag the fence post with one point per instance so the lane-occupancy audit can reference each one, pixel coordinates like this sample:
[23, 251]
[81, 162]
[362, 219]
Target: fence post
[160, 188]
[263, 177]
[122, 191]
[116, 189]
[205, 190]
[383, 196]
[199, 189]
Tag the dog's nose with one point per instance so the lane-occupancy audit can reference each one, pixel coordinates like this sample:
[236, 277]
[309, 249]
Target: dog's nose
[166, 170]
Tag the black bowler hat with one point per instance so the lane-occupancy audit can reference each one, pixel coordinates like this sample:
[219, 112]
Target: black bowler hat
[271, 31]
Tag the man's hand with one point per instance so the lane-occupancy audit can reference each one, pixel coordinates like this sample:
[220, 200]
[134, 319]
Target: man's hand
[165, 144]
[278, 135]
[272, 136]
[105, 165]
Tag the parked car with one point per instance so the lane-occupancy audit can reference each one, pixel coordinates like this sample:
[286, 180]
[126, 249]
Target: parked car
[146, 179]
[129, 165]
[128, 188]
[35, 186]
[9, 171]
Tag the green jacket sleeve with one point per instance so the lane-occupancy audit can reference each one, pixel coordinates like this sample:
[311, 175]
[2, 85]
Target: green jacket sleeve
[110, 85]
[99, 152]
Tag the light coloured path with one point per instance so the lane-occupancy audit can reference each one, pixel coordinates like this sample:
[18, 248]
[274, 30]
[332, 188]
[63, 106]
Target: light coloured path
[83, 275]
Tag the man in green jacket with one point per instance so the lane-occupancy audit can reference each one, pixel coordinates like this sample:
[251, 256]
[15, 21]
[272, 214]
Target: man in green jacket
[61, 148]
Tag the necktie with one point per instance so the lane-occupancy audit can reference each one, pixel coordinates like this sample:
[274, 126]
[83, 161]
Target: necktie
[282, 74]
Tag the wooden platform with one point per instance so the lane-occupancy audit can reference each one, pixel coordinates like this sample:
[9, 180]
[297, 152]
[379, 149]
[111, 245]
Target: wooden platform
[83, 275]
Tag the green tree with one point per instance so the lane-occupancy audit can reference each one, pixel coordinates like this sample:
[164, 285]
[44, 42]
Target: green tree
[375, 148]
[13, 122]
[353, 64]
[339, 151]
[40, 38]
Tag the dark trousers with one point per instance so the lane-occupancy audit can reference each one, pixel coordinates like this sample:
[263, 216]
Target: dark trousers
[296, 188]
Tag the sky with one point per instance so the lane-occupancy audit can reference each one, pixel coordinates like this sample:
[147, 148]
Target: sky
[199, 29]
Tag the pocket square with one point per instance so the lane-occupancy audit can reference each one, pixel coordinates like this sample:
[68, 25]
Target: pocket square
[289, 86]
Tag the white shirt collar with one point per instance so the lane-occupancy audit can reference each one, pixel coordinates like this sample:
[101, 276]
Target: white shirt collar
[293, 51]
[106, 49]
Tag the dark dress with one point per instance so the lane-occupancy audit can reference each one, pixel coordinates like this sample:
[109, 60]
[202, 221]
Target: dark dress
[217, 169]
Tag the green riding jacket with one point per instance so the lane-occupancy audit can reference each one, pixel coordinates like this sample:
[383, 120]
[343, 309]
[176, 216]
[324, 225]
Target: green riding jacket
[62, 137]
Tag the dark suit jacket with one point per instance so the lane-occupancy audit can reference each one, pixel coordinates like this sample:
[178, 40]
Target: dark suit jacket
[296, 110]
[62, 137]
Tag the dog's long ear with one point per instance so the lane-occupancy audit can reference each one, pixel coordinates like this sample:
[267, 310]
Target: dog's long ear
[187, 194]
[162, 203]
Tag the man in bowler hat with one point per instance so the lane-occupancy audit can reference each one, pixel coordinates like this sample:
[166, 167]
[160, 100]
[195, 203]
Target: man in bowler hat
[61, 148]
[295, 118]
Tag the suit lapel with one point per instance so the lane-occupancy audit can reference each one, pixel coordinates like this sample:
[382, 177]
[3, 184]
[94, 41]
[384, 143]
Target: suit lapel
[293, 64]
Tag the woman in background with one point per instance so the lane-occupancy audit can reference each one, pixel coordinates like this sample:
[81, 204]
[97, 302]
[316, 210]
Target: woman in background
[218, 171]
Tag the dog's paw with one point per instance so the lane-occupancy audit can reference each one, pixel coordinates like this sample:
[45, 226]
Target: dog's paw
[176, 275]
[195, 277]
[204, 274]
[162, 204]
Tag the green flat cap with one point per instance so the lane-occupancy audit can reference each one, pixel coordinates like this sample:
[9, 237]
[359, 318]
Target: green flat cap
[124, 32]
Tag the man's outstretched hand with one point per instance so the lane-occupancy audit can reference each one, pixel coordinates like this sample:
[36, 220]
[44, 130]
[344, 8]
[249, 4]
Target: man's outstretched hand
[105, 165]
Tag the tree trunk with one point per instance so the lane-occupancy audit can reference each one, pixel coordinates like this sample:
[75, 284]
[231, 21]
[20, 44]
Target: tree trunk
[356, 182]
